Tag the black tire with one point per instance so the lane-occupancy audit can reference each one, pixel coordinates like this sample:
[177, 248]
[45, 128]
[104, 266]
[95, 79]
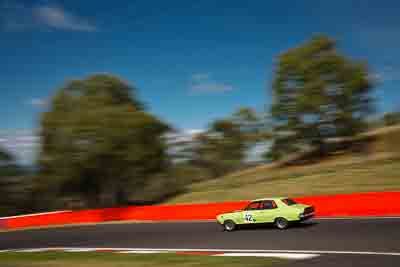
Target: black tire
[229, 226]
[281, 223]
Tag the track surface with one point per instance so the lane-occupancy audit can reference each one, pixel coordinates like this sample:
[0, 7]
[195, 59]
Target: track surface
[374, 235]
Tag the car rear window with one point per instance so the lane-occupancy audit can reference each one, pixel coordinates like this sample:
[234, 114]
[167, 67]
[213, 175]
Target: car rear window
[289, 201]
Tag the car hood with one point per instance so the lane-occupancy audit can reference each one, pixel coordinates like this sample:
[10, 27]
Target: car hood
[230, 212]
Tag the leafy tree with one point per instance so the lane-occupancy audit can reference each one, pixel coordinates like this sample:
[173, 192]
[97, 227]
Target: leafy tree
[317, 93]
[221, 148]
[5, 157]
[15, 186]
[225, 145]
[391, 118]
[98, 141]
[245, 116]
[253, 126]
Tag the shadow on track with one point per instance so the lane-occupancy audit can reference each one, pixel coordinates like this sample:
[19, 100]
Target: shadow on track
[270, 226]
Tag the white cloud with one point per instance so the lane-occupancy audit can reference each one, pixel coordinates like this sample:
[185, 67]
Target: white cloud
[377, 76]
[203, 83]
[386, 74]
[23, 144]
[39, 102]
[18, 146]
[17, 17]
[186, 135]
[58, 18]
[193, 131]
[211, 87]
[28, 139]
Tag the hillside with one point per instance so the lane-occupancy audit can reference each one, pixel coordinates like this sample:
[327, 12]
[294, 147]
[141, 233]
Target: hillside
[374, 168]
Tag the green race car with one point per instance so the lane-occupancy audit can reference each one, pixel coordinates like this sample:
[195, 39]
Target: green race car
[279, 211]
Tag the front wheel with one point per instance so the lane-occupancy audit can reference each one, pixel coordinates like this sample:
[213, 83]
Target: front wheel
[229, 226]
[281, 223]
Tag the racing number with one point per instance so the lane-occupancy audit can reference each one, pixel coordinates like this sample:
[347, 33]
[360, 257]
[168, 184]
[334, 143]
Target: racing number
[249, 218]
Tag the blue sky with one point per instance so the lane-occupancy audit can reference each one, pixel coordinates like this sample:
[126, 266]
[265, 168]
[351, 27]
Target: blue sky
[192, 61]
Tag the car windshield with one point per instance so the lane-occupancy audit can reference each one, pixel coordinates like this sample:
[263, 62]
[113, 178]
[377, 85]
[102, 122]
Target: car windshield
[289, 201]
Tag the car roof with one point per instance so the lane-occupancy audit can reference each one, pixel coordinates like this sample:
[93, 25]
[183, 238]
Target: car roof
[268, 198]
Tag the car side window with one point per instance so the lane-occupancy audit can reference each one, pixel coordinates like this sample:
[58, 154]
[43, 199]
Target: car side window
[289, 201]
[253, 206]
[268, 205]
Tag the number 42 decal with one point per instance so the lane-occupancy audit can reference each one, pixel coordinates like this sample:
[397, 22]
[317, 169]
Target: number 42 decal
[249, 218]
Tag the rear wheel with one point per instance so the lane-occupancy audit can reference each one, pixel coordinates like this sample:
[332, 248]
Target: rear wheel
[229, 226]
[281, 223]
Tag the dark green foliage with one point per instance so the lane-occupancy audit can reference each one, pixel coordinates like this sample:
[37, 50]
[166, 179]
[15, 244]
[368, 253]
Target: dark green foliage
[245, 116]
[391, 118]
[219, 149]
[317, 94]
[15, 186]
[5, 157]
[98, 142]
[225, 144]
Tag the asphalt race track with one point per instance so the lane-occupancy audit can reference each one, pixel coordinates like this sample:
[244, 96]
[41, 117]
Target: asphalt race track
[337, 241]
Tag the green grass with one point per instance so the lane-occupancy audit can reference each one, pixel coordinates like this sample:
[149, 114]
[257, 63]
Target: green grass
[87, 259]
[335, 176]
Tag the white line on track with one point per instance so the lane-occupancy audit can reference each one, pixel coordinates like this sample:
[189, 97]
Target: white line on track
[290, 256]
[78, 249]
[141, 251]
[33, 250]
[274, 251]
[377, 253]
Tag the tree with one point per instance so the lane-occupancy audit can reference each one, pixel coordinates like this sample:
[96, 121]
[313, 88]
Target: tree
[391, 118]
[15, 186]
[5, 157]
[221, 148]
[317, 94]
[245, 116]
[98, 141]
[253, 126]
[226, 144]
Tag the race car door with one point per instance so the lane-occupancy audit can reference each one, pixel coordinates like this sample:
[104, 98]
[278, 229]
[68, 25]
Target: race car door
[267, 211]
[250, 213]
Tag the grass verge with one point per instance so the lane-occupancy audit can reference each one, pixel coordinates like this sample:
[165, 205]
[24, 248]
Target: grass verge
[93, 259]
[337, 176]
